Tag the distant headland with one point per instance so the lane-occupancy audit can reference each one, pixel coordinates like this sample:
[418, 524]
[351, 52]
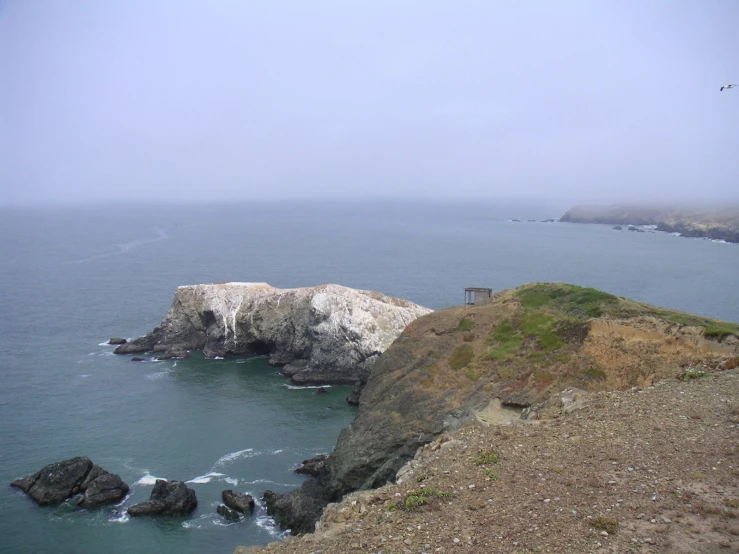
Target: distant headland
[720, 223]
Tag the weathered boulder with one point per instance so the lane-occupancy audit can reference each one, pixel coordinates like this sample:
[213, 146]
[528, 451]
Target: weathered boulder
[238, 501]
[117, 340]
[167, 498]
[103, 489]
[618, 228]
[227, 513]
[174, 353]
[55, 482]
[324, 334]
[137, 359]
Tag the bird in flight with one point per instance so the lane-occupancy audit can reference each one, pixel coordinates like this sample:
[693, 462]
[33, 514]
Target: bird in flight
[726, 87]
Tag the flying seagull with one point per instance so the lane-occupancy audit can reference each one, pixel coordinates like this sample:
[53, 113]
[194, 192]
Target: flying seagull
[726, 87]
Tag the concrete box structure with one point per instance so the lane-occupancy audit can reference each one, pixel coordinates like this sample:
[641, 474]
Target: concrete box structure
[475, 296]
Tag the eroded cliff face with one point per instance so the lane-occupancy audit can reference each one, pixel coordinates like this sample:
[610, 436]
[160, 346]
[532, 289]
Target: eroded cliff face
[323, 334]
[489, 364]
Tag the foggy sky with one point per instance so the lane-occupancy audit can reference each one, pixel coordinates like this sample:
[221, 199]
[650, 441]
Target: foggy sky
[194, 101]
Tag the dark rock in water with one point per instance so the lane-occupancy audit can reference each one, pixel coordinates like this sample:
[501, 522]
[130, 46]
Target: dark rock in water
[167, 498]
[618, 228]
[174, 354]
[93, 474]
[632, 228]
[321, 391]
[104, 489]
[55, 482]
[298, 513]
[239, 501]
[532, 221]
[117, 340]
[313, 466]
[137, 359]
[516, 220]
[227, 513]
[548, 220]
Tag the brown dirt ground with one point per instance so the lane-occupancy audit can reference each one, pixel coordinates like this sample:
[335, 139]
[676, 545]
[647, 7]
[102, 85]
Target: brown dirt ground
[637, 471]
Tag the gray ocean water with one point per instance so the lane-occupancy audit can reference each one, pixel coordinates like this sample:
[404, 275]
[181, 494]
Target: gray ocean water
[70, 278]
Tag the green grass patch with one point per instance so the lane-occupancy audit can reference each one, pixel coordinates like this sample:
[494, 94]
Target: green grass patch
[472, 374]
[606, 524]
[595, 373]
[490, 474]
[714, 329]
[466, 325]
[541, 325]
[504, 340]
[461, 356]
[691, 373]
[571, 299]
[486, 458]
[416, 501]
[422, 497]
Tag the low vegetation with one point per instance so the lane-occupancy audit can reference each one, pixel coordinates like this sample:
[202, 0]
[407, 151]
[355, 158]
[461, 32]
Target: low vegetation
[462, 356]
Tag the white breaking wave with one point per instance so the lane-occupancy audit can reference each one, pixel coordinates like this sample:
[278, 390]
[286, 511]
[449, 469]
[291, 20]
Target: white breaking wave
[268, 524]
[126, 247]
[148, 480]
[205, 478]
[246, 453]
[232, 481]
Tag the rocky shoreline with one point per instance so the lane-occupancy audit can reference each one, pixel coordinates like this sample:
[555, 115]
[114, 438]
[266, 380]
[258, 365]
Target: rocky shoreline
[713, 223]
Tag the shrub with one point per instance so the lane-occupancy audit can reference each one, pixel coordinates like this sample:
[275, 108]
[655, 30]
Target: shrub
[466, 325]
[607, 524]
[486, 458]
[461, 356]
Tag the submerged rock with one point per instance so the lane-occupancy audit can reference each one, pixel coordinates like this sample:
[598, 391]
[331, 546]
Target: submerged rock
[227, 513]
[318, 335]
[238, 501]
[55, 482]
[171, 498]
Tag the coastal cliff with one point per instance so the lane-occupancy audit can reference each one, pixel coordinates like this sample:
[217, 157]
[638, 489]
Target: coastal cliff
[322, 334]
[714, 223]
[504, 362]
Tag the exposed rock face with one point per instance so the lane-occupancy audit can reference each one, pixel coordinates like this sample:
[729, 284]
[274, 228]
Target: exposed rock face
[117, 340]
[713, 222]
[238, 501]
[171, 498]
[491, 364]
[312, 466]
[323, 334]
[61, 480]
[104, 489]
[55, 482]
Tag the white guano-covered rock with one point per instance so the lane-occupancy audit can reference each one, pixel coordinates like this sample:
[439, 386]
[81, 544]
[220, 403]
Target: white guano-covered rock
[322, 334]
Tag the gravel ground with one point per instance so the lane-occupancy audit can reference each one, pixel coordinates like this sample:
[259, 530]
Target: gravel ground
[644, 470]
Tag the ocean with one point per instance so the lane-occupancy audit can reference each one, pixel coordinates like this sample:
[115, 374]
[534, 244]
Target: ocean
[72, 277]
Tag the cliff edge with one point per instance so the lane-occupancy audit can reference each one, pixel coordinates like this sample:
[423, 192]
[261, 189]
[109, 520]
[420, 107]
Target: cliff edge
[500, 363]
[322, 334]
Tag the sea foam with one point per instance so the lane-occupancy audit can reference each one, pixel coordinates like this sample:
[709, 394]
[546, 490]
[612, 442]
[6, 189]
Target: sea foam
[205, 478]
[148, 480]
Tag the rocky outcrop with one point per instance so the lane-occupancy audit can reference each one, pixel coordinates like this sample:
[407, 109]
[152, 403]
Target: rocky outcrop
[238, 501]
[117, 341]
[59, 481]
[172, 498]
[323, 334]
[719, 223]
[495, 364]
[227, 513]
[104, 489]
[312, 466]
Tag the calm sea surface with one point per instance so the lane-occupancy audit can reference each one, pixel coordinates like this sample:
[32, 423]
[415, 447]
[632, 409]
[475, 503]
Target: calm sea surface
[70, 278]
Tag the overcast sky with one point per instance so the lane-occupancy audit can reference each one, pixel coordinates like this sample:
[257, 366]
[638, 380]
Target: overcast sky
[151, 100]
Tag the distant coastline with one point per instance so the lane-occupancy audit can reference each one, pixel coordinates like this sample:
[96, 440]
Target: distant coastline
[718, 223]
